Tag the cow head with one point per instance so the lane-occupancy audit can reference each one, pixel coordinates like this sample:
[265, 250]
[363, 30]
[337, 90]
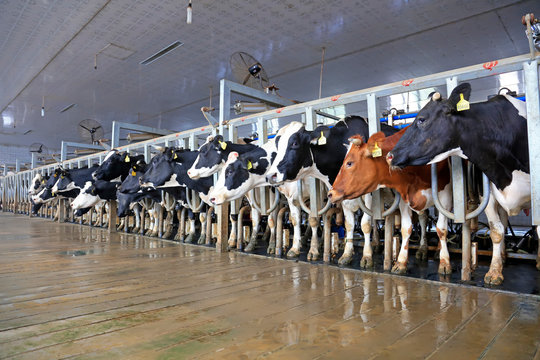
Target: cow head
[131, 184]
[124, 203]
[211, 155]
[293, 152]
[63, 183]
[86, 198]
[36, 183]
[433, 135]
[238, 176]
[363, 167]
[160, 171]
[49, 184]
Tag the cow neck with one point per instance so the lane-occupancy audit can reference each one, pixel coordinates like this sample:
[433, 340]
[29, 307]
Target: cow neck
[412, 181]
[328, 158]
[81, 176]
[494, 137]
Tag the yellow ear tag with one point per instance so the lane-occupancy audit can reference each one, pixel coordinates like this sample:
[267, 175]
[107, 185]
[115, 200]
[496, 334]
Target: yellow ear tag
[376, 152]
[127, 158]
[322, 140]
[43, 181]
[223, 144]
[55, 175]
[249, 165]
[462, 104]
[133, 173]
[175, 156]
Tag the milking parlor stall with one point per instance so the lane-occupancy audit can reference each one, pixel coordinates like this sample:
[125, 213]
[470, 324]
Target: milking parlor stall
[325, 179]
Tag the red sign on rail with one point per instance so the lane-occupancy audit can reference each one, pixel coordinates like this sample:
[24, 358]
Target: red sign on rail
[490, 65]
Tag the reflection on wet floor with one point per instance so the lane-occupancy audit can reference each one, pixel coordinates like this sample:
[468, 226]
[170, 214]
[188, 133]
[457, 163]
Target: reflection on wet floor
[141, 298]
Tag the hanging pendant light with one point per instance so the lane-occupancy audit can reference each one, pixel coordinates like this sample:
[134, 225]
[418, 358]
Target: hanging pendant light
[189, 13]
[43, 107]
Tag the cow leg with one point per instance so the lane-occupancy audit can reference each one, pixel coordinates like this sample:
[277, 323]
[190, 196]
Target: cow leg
[231, 243]
[295, 216]
[137, 212]
[256, 220]
[348, 252]
[272, 228]
[157, 211]
[313, 253]
[202, 219]
[503, 215]
[167, 231]
[189, 239]
[445, 197]
[496, 232]
[180, 234]
[400, 267]
[538, 255]
[422, 253]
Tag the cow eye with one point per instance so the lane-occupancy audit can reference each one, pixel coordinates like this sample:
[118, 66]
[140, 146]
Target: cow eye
[349, 164]
[421, 120]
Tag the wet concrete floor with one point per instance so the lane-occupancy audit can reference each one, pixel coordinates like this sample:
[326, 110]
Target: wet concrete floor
[70, 291]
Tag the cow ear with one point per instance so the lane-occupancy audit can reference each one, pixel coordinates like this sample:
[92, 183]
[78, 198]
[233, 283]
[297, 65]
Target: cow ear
[319, 136]
[246, 163]
[460, 92]
[232, 156]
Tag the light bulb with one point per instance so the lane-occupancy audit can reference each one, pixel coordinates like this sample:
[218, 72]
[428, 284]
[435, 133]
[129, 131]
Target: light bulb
[42, 111]
[189, 13]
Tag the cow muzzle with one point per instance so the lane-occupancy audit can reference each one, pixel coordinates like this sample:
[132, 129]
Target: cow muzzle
[335, 196]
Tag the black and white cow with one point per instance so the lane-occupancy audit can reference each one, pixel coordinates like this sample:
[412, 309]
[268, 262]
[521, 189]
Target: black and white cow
[213, 154]
[492, 135]
[244, 172]
[212, 157]
[319, 153]
[169, 170]
[116, 166]
[94, 192]
[73, 179]
[130, 197]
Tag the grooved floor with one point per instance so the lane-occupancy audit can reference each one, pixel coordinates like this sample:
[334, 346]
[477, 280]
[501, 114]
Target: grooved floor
[70, 291]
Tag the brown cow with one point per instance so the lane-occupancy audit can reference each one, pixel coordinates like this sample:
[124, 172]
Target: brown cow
[364, 170]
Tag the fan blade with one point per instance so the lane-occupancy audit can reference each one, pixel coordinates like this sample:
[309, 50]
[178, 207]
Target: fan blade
[85, 128]
[246, 79]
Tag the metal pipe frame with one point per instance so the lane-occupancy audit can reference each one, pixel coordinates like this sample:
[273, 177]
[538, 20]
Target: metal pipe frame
[521, 62]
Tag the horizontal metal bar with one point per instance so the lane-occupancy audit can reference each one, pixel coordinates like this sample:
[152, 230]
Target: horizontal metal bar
[438, 79]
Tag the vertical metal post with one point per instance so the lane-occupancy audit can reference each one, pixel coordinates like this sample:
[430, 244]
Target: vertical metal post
[33, 165]
[63, 151]
[222, 211]
[530, 74]
[112, 216]
[314, 185]
[262, 130]
[460, 202]
[115, 136]
[374, 126]
[146, 153]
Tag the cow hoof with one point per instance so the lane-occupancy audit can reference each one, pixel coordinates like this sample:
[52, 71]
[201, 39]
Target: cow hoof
[250, 246]
[148, 233]
[154, 233]
[399, 268]
[293, 254]
[366, 262]
[445, 268]
[271, 250]
[313, 255]
[202, 240]
[345, 259]
[136, 230]
[179, 237]
[189, 238]
[422, 253]
[493, 278]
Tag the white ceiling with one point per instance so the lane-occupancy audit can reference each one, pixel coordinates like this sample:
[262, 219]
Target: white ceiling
[47, 49]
